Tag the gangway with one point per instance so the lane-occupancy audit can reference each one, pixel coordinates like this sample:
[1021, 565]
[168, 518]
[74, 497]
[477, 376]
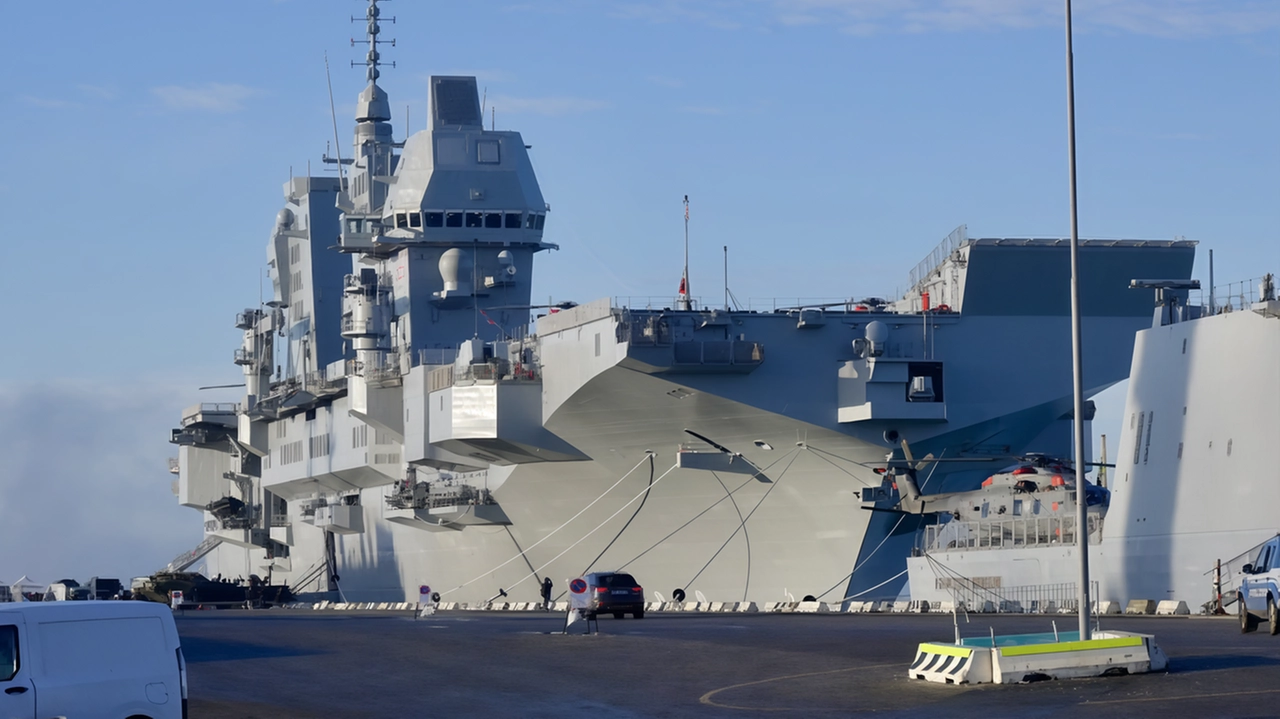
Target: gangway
[1225, 577]
[183, 561]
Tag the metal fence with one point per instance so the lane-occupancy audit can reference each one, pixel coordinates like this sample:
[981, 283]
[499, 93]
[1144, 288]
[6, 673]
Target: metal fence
[1005, 533]
[949, 244]
[1062, 597]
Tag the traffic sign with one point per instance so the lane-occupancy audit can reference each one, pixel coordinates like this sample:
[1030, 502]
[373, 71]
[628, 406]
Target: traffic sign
[578, 593]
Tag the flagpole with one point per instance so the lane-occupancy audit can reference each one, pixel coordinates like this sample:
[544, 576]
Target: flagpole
[687, 302]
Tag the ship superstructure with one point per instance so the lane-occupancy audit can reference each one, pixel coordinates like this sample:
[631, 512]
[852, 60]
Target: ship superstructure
[1196, 480]
[402, 424]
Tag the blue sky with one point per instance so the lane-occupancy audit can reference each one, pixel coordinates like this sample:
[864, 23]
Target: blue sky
[829, 143]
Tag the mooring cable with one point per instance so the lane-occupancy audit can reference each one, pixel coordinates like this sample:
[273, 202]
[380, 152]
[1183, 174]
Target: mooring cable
[629, 520]
[744, 521]
[549, 534]
[695, 517]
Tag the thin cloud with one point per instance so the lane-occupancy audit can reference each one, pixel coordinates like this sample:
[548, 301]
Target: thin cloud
[552, 106]
[1165, 18]
[100, 92]
[49, 103]
[673, 82]
[210, 97]
[704, 110]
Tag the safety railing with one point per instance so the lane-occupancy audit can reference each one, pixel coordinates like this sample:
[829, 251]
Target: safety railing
[1006, 533]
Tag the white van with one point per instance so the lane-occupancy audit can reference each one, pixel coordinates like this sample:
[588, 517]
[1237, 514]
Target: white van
[91, 660]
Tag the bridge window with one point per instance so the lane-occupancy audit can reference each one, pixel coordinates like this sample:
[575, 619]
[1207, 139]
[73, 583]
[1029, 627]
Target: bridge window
[402, 221]
[513, 220]
[530, 221]
[541, 219]
[435, 219]
[493, 220]
[453, 219]
[487, 152]
[475, 219]
[415, 219]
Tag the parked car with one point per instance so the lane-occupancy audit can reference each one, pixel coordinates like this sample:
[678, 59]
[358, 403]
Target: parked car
[91, 659]
[614, 592]
[1258, 596]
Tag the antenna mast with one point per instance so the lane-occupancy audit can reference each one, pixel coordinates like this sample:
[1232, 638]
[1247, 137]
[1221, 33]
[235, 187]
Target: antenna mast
[337, 146]
[685, 302]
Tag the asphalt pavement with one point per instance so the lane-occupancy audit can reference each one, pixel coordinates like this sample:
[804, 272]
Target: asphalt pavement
[278, 664]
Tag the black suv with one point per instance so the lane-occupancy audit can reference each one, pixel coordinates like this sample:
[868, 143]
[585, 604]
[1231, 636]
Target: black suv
[614, 592]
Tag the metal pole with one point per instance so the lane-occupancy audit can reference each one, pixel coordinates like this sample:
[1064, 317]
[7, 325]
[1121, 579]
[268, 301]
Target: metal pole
[1213, 309]
[726, 278]
[1082, 509]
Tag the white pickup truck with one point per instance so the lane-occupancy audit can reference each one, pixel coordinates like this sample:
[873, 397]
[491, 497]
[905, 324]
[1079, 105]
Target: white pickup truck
[1259, 593]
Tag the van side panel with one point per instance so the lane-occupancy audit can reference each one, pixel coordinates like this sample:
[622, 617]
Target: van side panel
[123, 663]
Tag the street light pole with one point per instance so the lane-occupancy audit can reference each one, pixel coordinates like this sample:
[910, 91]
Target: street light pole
[1082, 509]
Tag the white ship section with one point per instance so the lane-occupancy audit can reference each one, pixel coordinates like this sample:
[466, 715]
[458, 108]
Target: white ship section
[403, 426]
[1196, 478]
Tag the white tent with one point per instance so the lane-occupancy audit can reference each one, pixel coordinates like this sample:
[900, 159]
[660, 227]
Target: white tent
[24, 586]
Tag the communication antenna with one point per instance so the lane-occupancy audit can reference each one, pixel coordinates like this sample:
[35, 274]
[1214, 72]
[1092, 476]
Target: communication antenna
[372, 59]
[333, 115]
[685, 302]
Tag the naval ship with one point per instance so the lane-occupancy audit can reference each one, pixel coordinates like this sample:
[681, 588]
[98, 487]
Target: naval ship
[408, 422]
[1192, 493]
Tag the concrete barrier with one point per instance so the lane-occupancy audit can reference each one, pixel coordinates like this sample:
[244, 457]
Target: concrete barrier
[746, 607]
[1140, 606]
[1171, 607]
[950, 664]
[1108, 607]
[901, 607]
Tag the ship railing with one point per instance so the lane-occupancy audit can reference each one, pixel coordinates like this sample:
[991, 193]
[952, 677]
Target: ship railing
[952, 242]
[195, 411]
[1234, 295]
[279, 520]
[318, 381]
[975, 592]
[1232, 569]
[753, 304]
[365, 326]
[174, 465]
[435, 356]
[1006, 533]
[492, 371]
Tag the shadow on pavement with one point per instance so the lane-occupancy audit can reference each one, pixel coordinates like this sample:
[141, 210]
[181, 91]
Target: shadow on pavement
[1181, 665]
[203, 649]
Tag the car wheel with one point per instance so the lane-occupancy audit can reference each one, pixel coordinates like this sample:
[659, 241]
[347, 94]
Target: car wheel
[1245, 622]
[640, 615]
[619, 615]
[1273, 615]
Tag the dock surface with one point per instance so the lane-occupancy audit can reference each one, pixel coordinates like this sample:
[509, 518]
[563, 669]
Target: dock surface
[309, 664]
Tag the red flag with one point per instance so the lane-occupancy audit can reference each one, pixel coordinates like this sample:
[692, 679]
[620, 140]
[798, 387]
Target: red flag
[682, 285]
